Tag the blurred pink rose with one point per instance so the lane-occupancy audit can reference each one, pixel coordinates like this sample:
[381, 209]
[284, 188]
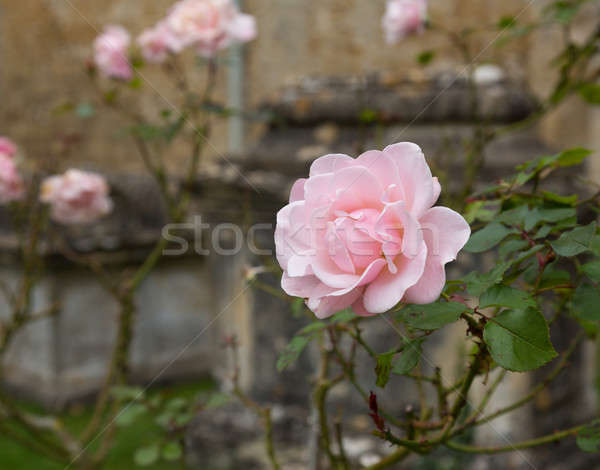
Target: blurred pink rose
[7, 147]
[156, 43]
[404, 17]
[76, 197]
[363, 233]
[111, 53]
[209, 25]
[11, 183]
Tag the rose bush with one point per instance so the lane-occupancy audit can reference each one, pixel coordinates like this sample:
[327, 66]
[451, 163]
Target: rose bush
[363, 233]
[76, 197]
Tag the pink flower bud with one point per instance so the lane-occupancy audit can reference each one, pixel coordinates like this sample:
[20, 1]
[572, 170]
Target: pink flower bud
[11, 183]
[7, 147]
[402, 18]
[111, 51]
[156, 43]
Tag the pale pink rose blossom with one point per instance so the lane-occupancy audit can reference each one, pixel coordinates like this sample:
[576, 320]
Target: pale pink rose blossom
[7, 147]
[402, 18]
[11, 183]
[111, 53]
[76, 197]
[209, 25]
[156, 43]
[362, 233]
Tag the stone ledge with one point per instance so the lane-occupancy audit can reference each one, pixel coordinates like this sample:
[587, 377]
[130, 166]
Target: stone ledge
[443, 98]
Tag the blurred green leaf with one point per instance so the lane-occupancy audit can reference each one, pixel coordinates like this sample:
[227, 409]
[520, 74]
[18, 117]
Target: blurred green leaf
[588, 439]
[425, 57]
[586, 302]
[590, 92]
[292, 351]
[130, 413]
[592, 270]
[127, 393]
[146, 456]
[172, 451]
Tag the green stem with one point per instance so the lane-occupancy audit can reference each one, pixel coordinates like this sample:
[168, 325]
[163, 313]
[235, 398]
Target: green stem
[518, 446]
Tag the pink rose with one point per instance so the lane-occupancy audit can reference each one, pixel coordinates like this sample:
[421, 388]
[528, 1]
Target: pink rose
[111, 50]
[363, 233]
[156, 43]
[7, 147]
[403, 17]
[11, 183]
[76, 197]
[209, 25]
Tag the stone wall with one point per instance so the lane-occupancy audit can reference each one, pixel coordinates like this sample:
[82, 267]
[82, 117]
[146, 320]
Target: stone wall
[45, 44]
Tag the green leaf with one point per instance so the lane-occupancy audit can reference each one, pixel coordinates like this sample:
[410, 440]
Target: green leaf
[177, 404]
[564, 200]
[481, 210]
[425, 57]
[146, 456]
[586, 302]
[172, 451]
[519, 340]
[127, 393]
[510, 246]
[367, 116]
[432, 316]
[487, 237]
[588, 439]
[592, 270]
[590, 92]
[501, 295]
[547, 215]
[409, 358]
[507, 22]
[573, 156]
[575, 241]
[218, 399]
[383, 368]
[292, 352]
[130, 413]
[479, 283]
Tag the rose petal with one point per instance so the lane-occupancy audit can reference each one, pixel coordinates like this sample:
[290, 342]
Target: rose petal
[445, 232]
[297, 191]
[326, 306]
[388, 289]
[414, 175]
[330, 163]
